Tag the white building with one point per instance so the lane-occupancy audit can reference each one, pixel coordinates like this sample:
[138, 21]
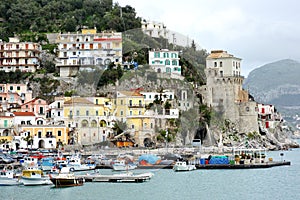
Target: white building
[166, 62]
[87, 49]
[16, 55]
[22, 118]
[149, 97]
[55, 113]
[226, 64]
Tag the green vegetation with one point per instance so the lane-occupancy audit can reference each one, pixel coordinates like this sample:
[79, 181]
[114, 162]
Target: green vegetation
[30, 18]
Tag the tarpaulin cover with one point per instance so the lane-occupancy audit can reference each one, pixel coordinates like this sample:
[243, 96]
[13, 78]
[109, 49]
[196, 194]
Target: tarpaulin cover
[149, 159]
[219, 160]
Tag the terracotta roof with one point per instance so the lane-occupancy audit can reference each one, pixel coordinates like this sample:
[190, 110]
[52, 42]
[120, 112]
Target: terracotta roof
[131, 93]
[33, 100]
[24, 114]
[219, 54]
[78, 100]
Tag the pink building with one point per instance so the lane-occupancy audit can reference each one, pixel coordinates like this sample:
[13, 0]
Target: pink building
[37, 106]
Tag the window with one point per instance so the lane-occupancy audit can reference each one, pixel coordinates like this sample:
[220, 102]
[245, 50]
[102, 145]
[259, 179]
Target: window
[58, 104]
[58, 114]
[130, 113]
[121, 102]
[130, 102]
[174, 62]
[97, 113]
[121, 113]
[221, 64]
[167, 62]
[77, 112]
[87, 113]
[132, 126]
[156, 55]
[58, 133]
[216, 64]
[96, 101]
[18, 88]
[140, 102]
[11, 88]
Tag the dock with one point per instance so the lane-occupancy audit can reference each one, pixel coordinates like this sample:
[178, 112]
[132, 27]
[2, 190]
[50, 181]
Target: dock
[118, 178]
[242, 166]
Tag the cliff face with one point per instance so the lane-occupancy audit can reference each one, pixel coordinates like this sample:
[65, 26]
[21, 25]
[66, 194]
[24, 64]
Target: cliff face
[276, 83]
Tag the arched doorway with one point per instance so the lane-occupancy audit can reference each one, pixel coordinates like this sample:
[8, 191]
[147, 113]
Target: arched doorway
[148, 142]
[41, 144]
[102, 123]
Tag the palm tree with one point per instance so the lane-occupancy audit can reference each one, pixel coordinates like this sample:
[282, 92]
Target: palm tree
[29, 140]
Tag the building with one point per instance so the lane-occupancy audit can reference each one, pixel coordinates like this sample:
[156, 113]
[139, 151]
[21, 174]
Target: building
[130, 108]
[43, 136]
[16, 55]
[224, 93]
[38, 106]
[155, 29]
[268, 116]
[90, 119]
[166, 62]
[87, 49]
[55, 112]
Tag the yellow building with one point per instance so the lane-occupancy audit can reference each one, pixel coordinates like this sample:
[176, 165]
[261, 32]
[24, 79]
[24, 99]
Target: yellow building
[6, 128]
[44, 134]
[130, 108]
[90, 119]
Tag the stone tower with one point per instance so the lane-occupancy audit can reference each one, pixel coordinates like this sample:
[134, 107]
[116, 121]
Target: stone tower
[224, 93]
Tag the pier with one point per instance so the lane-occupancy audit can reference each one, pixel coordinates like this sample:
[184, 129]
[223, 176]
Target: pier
[117, 178]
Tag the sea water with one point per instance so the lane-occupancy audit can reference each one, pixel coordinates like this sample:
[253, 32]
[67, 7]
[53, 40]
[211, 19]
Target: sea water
[281, 182]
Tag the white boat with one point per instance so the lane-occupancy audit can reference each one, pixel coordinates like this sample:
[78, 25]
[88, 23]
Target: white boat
[75, 165]
[182, 166]
[34, 176]
[8, 177]
[121, 165]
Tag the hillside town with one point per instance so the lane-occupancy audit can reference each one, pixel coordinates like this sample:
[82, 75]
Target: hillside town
[28, 121]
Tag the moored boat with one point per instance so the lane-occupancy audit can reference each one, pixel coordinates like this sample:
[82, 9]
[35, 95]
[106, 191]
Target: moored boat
[121, 165]
[8, 177]
[66, 178]
[182, 166]
[34, 176]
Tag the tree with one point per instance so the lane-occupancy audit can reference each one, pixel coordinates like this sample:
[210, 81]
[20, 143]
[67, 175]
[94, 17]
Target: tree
[29, 140]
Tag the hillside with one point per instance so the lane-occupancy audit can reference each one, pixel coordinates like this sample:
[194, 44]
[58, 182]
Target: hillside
[277, 83]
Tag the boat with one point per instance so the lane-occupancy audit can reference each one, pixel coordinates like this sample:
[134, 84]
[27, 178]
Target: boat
[121, 165]
[182, 166]
[75, 164]
[8, 177]
[34, 176]
[47, 163]
[66, 178]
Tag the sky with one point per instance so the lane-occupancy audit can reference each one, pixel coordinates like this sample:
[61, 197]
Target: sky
[257, 31]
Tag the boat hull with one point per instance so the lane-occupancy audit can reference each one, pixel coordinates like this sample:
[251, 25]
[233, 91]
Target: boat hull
[9, 181]
[67, 182]
[36, 181]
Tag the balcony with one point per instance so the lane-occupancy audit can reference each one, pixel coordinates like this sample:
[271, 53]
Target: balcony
[136, 106]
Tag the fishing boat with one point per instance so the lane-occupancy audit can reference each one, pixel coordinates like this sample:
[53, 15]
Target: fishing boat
[121, 165]
[34, 176]
[66, 178]
[8, 177]
[182, 166]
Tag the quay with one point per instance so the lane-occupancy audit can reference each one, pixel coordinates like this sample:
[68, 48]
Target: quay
[242, 166]
[213, 166]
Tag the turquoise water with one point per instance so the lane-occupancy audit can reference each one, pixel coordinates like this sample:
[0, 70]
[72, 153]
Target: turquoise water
[274, 183]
